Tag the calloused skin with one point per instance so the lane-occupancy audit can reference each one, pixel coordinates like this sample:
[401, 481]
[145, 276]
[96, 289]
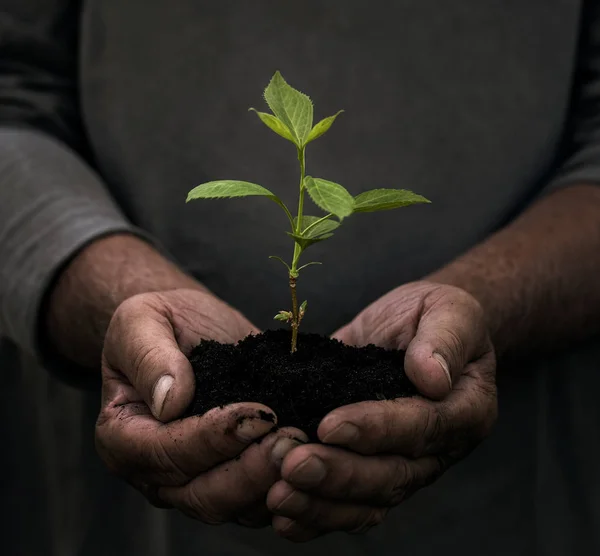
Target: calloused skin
[209, 466]
[529, 299]
[376, 454]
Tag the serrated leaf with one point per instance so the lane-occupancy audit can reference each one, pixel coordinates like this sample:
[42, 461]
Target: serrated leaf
[323, 227]
[386, 199]
[305, 242]
[293, 108]
[330, 196]
[275, 124]
[226, 189]
[322, 127]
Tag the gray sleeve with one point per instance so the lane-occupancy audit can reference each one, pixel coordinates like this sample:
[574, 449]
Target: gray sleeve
[51, 201]
[581, 162]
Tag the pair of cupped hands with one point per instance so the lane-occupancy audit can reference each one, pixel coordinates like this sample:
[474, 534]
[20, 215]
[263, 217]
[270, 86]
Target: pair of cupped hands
[233, 465]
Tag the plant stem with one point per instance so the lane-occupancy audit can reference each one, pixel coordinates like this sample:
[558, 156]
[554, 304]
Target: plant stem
[297, 252]
[295, 314]
[297, 248]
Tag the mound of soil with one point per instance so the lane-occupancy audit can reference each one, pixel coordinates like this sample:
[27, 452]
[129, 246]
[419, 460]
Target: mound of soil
[302, 387]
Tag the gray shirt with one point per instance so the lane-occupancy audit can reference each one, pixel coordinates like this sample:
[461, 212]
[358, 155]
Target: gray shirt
[110, 111]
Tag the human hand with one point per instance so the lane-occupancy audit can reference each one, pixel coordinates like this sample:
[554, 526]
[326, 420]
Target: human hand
[376, 454]
[209, 466]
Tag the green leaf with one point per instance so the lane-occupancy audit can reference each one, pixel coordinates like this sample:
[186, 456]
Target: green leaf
[303, 306]
[305, 242]
[322, 127]
[386, 199]
[276, 258]
[283, 316]
[309, 264]
[293, 108]
[330, 196]
[318, 226]
[226, 189]
[320, 229]
[275, 124]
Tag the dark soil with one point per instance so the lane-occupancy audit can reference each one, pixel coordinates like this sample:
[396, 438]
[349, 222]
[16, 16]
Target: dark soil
[301, 388]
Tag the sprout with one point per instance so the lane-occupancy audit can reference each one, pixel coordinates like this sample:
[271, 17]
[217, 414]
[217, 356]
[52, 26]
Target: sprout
[292, 119]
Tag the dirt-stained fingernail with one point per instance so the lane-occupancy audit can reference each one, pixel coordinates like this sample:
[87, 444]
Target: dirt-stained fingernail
[159, 394]
[281, 449]
[444, 365]
[251, 428]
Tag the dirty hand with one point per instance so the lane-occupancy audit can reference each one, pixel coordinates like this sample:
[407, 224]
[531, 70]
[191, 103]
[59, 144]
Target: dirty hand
[208, 467]
[375, 454]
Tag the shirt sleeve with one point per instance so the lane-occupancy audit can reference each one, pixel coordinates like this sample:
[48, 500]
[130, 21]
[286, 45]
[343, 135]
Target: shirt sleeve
[581, 163]
[52, 203]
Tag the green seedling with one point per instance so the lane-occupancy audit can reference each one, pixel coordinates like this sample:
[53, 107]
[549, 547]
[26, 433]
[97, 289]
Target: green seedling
[292, 119]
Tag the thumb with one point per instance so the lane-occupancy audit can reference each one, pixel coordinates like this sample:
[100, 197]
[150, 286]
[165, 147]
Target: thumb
[448, 337]
[140, 344]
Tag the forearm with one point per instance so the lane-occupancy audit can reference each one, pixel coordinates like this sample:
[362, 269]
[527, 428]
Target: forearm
[538, 279]
[87, 292]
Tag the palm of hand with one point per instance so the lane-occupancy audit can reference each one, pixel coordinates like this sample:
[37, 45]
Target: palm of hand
[375, 454]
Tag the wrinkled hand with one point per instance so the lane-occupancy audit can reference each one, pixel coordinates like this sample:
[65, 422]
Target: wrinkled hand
[208, 467]
[378, 453]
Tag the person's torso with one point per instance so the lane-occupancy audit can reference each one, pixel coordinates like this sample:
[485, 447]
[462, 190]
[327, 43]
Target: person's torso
[463, 102]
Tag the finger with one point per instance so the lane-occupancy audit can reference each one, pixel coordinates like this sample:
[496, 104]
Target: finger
[230, 490]
[417, 427]
[140, 344]
[133, 444]
[451, 333]
[293, 531]
[322, 515]
[347, 335]
[337, 474]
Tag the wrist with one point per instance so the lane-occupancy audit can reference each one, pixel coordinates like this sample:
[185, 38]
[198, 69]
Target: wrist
[93, 284]
[537, 299]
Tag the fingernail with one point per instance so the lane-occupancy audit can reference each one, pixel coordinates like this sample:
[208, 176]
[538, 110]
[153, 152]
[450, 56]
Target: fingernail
[309, 473]
[444, 365]
[342, 434]
[285, 524]
[159, 394]
[294, 503]
[281, 448]
[250, 428]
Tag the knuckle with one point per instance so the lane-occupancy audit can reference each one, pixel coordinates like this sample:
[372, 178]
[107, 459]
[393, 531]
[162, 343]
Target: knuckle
[452, 345]
[201, 508]
[429, 429]
[347, 478]
[123, 313]
[102, 436]
[372, 518]
[483, 413]
[441, 464]
[173, 473]
[145, 359]
[401, 482]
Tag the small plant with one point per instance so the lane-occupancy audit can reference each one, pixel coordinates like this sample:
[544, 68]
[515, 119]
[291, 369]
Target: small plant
[292, 119]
